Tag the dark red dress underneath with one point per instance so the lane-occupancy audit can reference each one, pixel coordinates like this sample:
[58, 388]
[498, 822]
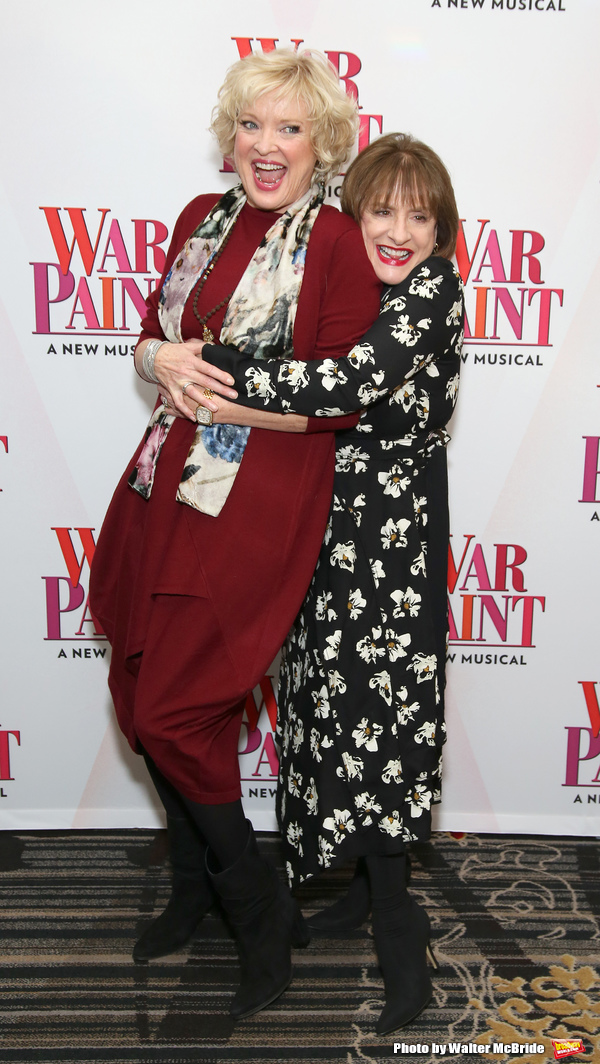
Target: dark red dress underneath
[196, 607]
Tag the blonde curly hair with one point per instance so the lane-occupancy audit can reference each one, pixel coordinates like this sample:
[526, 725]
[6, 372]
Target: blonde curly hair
[306, 76]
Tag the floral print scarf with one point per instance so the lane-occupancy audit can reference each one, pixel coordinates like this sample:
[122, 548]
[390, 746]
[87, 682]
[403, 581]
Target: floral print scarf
[259, 321]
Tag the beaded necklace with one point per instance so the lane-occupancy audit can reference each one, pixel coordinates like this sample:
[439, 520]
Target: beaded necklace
[207, 334]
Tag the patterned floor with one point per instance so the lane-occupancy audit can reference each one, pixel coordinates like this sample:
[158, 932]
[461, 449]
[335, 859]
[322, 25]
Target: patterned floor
[515, 921]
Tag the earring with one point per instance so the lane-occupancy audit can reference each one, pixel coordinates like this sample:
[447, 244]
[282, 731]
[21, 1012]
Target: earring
[435, 248]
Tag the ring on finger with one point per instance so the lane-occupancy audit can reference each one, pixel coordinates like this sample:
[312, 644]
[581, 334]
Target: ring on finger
[208, 393]
[188, 384]
[203, 416]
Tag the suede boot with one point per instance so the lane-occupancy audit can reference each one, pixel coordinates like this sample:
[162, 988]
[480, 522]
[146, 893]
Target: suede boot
[191, 895]
[349, 912]
[401, 932]
[266, 922]
[352, 910]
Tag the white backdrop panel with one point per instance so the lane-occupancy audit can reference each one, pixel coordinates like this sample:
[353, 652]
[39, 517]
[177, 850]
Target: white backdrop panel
[106, 128]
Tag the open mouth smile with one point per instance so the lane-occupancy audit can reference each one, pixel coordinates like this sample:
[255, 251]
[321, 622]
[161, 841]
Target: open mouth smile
[268, 175]
[394, 256]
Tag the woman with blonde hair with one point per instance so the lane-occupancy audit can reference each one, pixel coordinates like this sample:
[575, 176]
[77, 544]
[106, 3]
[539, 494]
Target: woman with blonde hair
[361, 696]
[212, 536]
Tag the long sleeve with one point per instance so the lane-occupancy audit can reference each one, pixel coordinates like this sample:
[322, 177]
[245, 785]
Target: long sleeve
[420, 325]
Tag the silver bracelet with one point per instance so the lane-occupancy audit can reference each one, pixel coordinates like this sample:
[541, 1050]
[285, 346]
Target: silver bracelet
[148, 359]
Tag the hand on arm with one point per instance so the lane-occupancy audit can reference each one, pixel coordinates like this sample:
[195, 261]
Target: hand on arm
[414, 330]
[178, 366]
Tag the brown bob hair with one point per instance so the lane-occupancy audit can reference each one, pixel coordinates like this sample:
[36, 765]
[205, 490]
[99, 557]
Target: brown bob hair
[399, 165]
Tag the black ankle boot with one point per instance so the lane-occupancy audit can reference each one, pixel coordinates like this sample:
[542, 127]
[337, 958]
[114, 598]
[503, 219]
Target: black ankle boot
[401, 932]
[191, 895]
[348, 912]
[352, 910]
[266, 921]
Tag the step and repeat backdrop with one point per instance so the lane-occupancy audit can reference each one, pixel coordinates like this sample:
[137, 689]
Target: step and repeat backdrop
[105, 139]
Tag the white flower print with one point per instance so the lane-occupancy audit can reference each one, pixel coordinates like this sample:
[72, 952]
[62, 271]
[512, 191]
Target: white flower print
[404, 395]
[361, 354]
[395, 644]
[419, 506]
[423, 409]
[366, 734]
[344, 555]
[356, 604]
[293, 374]
[311, 798]
[334, 645]
[367, 647]
[367, 804]
[336, 681]
[368, 393]
[418, 566]
[398, 304]
[424, 666]
[294, 782]
[452, 388]
[406, 713]
[348, 456]
[294, 834]
[424, 284]
[382, 682]
[298, 736]
[331, 373]
[408, 603]
[455, 314]
[426, 733]
[392, 824]
[406, 333]
[354, 508]
[341, 823]
[317, 744]
[377, 570]
[392, 533]
[321, 700]
[328, 532]
[323, 609]
[297, 675]
[392, 772]
[393, 480]
[259, 383]
[419, 799]
[329, 411]
[353, 767]
[403, 441]
[325, 852]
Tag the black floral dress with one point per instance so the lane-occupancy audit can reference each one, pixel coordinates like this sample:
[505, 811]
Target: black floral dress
[361, 686]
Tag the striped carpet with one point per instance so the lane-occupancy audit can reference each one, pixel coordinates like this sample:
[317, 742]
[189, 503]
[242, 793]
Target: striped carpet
[515, 923]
